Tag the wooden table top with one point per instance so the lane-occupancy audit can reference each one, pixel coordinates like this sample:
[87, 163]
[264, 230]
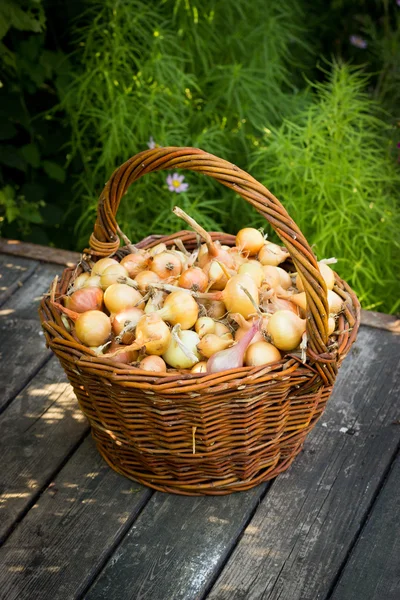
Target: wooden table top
[72, 528]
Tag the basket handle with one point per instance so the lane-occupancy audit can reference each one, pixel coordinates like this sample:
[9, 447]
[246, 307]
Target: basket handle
[105, 241]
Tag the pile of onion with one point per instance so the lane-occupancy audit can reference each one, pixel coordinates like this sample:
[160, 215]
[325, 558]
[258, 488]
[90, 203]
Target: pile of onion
[166, 309]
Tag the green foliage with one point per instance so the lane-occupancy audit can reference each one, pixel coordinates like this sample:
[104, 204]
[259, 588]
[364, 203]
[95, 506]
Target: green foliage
[187, 75]
[331, 168]
[31, 142]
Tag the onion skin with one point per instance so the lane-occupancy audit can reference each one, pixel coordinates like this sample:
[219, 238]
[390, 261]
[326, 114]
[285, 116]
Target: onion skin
[118, 321]
[153, 334]
[93, 328]
[119, 297]
[157, 249]
[216, 309]
[111, 275]
[261, 353]
[102, 265]
[254, 270]
[250, 240]
[174, 355]
[125, 357]
[93, 281]
[154, 364]
[285, 330]
[145, 278]
[193, 279]
[135, 263]
[85, 299]
[231, 358]
[180, 308]
[204, 325]
[200, 367]
[166, 264]
[80, 281]
[236, 300]
[272, 254]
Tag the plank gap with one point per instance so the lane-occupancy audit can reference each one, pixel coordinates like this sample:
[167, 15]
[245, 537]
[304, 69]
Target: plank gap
[230, 551]
[43, 488]
[375, 498]
[17, 284]
[97, 572]
[25, 384]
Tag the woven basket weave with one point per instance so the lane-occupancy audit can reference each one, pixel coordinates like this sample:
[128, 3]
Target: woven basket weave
[204, 434]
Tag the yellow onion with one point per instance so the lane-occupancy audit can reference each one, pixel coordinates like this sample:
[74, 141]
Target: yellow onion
[92, 281]
[120, 296]
[153, 334]
[154, 364]
[193, 279]
[179, 308]
[221, 329]
[286, 329]
[102, 264]
[217, 275]
[236, 300]
[200, 367]
[166, 264]
[261, 353]
[125, 322]
[254, 269]
[204, 325]
[182, 352]
[272, 254]
[250, 240]
[84, 299]
[79, 282]
[211, 343]
[112, 274]
[93, 328]
[135, 263]
[144, 279]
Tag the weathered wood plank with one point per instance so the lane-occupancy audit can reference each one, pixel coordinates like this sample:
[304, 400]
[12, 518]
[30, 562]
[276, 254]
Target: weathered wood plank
[175, 547]
[13, 272]
[40, 428]
[22, 342]
[380, 320]
[38, 252]
[63, 541]
[25, 302]
[373, 571]
[301, 533]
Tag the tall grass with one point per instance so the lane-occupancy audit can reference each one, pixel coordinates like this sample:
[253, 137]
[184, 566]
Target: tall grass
[332, 168]
[208, 75]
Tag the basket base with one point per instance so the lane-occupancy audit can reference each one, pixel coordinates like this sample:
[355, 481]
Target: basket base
[198, 487]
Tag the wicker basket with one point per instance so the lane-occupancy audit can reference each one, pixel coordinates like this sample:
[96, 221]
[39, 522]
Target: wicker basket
[204, 434]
